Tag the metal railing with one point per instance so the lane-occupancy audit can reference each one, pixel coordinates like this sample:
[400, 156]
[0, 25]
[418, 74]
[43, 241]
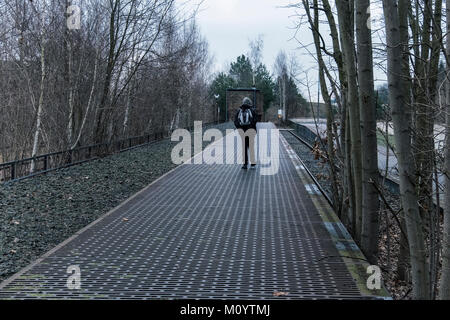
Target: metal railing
[22, 169]
[304, 132]
[310, 137]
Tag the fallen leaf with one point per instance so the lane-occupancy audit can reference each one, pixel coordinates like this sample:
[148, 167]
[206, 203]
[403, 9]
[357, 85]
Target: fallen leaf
[125, 219]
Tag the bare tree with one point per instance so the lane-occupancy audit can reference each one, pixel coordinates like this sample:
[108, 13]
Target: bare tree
[40, 109]
[256, 47]
[281, 70]
[123, 16]
[444, 292]
[315, 25]
[414, 80]
[63, 87]
[370, 204]
[401, 114]
[346, 14]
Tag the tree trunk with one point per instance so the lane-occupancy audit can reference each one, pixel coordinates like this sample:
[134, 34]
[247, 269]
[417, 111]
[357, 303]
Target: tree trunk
[404, 8]
[89, 103]
[444, 292]
[101, 125]
[423, 138]
[40, 110]
[69, 79]
[403, 256]
[337, 53]
[371, 203]
[341, 100]
[431, 156]
[283, 81]
[401, 115]
[345, 15]
[314, 23]
[127, 111]
[350, 189]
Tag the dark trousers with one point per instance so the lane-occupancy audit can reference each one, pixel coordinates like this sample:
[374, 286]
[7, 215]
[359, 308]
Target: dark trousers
[246, 149]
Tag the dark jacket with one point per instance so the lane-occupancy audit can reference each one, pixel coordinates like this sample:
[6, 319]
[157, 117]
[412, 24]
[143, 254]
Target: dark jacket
[254, 117]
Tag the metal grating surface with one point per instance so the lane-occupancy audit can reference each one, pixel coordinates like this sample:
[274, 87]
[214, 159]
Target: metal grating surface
[193, 235]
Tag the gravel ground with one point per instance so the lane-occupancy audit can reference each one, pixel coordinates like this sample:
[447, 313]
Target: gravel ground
[318, 168]
[38, 213]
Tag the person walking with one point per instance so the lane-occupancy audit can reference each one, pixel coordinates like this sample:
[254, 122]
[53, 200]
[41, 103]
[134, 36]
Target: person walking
[245, 121]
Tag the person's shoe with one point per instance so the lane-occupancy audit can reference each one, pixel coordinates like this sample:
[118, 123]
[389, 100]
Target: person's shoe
[253, 166]
[244, 167]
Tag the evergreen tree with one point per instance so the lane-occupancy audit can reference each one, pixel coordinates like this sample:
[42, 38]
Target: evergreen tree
[219, 87]
[265, 83]
[242, 72]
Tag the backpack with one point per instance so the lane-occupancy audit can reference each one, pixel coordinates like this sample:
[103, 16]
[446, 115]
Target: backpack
[245, 117]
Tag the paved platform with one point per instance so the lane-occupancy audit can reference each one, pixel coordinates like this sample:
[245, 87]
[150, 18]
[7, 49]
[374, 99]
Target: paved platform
[208, 232]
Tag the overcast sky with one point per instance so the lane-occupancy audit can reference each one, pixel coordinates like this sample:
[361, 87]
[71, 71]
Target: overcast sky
[229, 25]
